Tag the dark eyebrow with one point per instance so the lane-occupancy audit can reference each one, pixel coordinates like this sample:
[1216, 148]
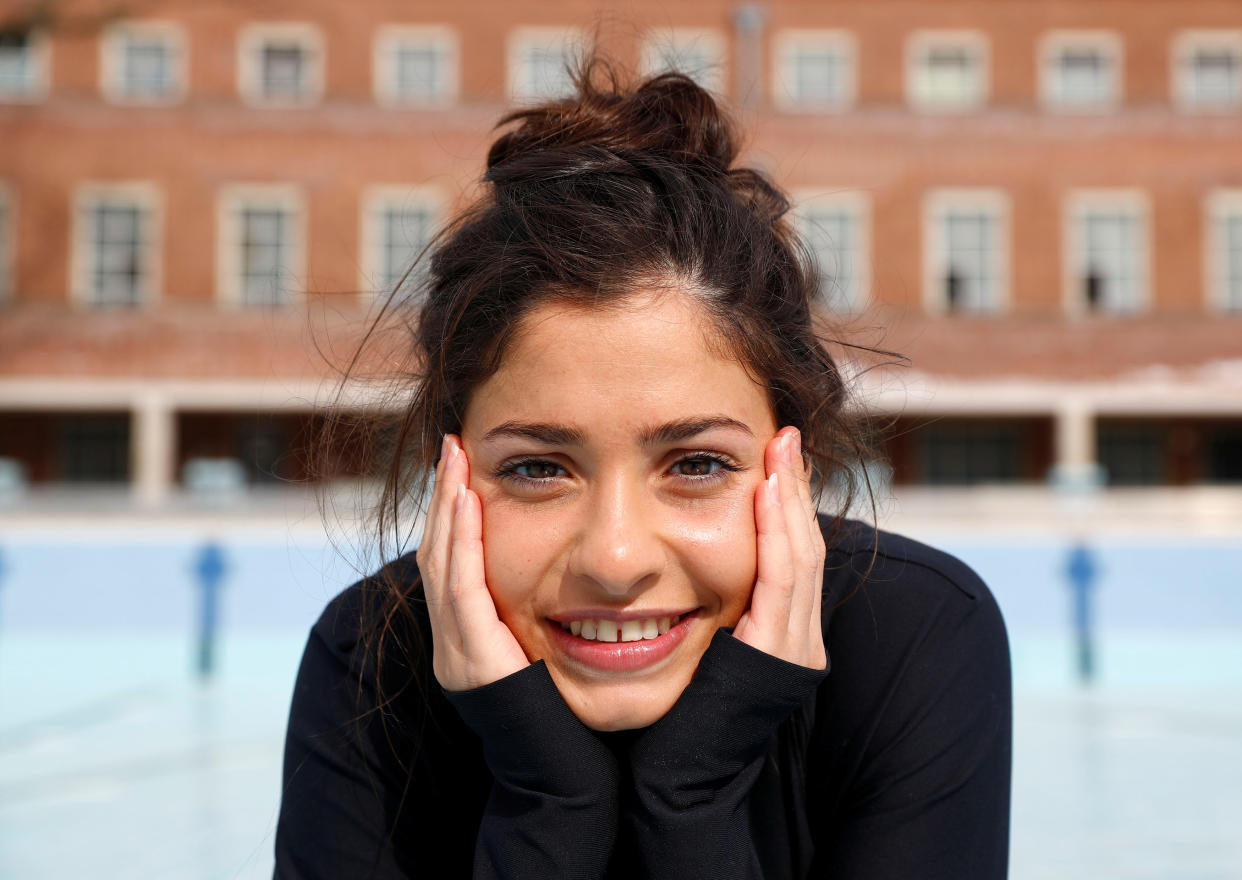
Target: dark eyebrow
[684, 429]
[552, 435]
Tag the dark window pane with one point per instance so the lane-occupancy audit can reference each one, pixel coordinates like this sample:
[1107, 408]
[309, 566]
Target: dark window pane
[94, 449]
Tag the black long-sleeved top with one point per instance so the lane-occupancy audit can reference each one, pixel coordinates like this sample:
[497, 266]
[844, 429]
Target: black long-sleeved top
[894, 763]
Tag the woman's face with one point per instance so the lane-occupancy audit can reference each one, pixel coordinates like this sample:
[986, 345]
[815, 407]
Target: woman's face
[616, 455]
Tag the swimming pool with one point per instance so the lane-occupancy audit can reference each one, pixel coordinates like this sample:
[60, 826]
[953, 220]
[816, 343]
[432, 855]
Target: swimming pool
[107, 737]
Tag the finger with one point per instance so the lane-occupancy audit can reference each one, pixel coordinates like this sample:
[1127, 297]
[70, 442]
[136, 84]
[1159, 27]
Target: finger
[795, 502]
[431, 522]
[800, 510]
[471, 601]
[770, 604]
[453, 472]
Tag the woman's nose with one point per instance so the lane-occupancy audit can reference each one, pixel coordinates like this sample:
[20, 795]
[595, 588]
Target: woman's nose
[618, 547]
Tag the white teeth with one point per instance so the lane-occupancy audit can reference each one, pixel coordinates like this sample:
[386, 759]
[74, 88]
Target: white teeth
[626, 631]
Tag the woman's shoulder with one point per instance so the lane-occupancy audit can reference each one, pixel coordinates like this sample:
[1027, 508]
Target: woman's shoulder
[356, 613]
[904, 619]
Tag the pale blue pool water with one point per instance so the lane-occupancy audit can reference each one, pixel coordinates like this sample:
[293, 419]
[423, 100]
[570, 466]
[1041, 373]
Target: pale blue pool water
[115, 762]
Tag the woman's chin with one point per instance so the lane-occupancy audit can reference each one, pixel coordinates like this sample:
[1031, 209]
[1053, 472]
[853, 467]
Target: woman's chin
[610, 708]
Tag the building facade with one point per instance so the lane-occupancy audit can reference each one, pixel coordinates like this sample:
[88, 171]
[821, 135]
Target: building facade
[1038, 203]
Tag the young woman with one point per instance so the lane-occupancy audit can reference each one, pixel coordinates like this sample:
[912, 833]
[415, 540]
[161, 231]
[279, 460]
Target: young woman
[628, 645]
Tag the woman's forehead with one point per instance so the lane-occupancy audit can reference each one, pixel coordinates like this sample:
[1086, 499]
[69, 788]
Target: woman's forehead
[651, 360]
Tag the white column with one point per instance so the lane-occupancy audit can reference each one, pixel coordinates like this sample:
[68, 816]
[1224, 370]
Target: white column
[153, 449]
[1075, 465]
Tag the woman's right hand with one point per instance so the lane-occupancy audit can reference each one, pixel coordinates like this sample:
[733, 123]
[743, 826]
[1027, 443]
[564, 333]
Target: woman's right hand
[471, 646]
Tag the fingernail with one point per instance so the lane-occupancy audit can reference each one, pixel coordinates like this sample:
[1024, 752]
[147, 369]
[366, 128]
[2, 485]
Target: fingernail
[795, 447]
[454, 451]
[460, 501]
[787, 449]
[774, 494]
[444, 448]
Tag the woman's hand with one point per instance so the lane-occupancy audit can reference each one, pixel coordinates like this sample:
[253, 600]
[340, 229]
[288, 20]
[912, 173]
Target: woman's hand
[784, 615]
[471, 647]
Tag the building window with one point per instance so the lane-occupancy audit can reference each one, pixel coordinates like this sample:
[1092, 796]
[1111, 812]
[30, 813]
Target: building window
[1081, 70]
[1207, 70]
[261, 245]
[967, 253]
[1224, 250]
[143, 62]
[94, 448]
[947, 70]
[23, 65]
[698, 53]
[280, 64]
[969, 452]
[397, 225]
[814, 70]
[415, 65]
[540, 61]
[1133, 453]
[116, 248]
[835, 229]
[1108, 253]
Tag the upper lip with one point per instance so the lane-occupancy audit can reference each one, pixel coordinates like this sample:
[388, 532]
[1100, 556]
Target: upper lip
[619, 615]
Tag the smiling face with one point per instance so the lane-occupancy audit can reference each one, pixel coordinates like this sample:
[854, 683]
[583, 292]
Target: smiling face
[616, 455]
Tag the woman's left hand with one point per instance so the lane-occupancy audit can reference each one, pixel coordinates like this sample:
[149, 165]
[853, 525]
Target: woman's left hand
[784, 614]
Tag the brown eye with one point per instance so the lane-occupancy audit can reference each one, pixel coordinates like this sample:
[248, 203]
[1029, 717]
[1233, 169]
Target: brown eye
[699, 466]
[537, 470]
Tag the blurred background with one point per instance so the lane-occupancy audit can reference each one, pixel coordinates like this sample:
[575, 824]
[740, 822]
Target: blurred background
[1038, 203]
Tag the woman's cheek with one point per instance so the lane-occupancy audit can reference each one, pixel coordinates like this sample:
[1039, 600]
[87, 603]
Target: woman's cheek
[519, 547]
[719, 553]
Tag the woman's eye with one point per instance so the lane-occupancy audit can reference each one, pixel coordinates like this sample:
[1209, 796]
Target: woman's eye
[537, 470]
[699, 466]
[703, 467]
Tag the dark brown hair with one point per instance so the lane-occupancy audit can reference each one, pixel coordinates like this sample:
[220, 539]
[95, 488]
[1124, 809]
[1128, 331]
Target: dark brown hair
[584, 200]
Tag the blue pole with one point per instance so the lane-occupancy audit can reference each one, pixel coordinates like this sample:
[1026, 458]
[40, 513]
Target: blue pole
[210, 569]
[1082, 570]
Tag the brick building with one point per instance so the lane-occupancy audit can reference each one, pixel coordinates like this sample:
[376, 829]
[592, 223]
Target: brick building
[1037, 202]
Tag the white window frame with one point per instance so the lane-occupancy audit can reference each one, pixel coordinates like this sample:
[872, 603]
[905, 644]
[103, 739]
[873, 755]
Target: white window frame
[1181, 83]
[852, 201]
[661, 46]
[8, 242]
[371, 232]
[87, 196]
[1219, 205]
[1076, 204]
[521, 40]
[936, 205]
[40, 65]
[1110, 46]
[250, 43]
[390, 38]
[112, 60]
[230, 202]
[919, 43]
[787, 43]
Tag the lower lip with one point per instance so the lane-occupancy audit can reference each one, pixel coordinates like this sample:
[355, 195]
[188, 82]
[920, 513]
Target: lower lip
[622, 656]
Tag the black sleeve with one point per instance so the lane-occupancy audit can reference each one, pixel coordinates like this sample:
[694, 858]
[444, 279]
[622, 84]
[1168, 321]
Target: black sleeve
[335, 816]
[406, 791]
[924, 768]
[554, 803]
[693, 770]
